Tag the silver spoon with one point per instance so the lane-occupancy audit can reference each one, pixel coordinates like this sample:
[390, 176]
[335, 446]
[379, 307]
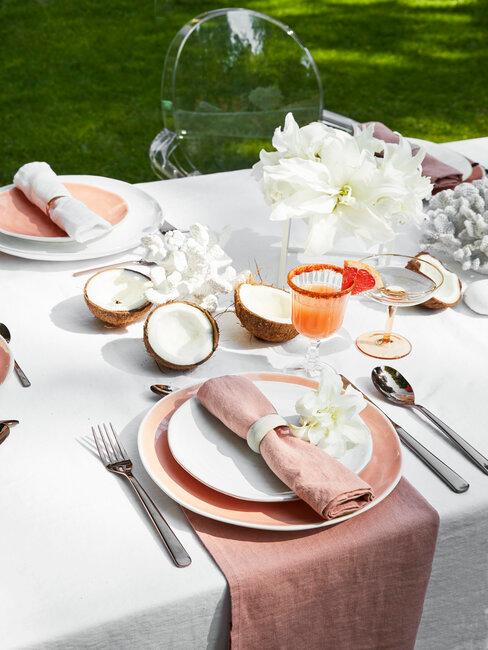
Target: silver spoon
[161, 389]
[8, 423]
[5, 332]
[393, 385]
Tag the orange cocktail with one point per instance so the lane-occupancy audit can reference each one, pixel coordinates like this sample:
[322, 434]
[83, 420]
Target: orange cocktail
[319, 302]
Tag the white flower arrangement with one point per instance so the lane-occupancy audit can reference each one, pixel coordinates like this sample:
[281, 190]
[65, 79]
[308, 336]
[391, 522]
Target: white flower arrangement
[189, 266]
[456, 225]
[329, 416]
[355, 184]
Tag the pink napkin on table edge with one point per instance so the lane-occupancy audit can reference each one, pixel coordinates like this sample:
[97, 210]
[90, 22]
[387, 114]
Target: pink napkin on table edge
[359, 585]
[442, 176]
[323, 482]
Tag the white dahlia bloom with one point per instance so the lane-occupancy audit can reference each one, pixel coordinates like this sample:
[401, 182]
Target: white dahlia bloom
[338, 183]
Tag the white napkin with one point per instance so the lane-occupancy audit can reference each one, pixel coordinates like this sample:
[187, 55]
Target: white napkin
[41, 185]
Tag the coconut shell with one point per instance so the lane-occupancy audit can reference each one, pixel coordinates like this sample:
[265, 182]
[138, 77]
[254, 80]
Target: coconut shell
[116, 318]
[162, 363]
[433, 303]
[260, 327]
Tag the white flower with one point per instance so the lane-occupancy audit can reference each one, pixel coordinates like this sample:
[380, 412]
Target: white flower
[293, 142]
[337, 182]
[329, 416]
[190, 266]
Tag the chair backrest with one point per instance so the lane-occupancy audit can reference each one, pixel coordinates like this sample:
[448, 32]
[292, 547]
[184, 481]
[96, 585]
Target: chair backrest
[230, 76]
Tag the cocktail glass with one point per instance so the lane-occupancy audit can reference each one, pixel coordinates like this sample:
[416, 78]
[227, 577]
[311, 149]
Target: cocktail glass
[403, 285]
[318, 305]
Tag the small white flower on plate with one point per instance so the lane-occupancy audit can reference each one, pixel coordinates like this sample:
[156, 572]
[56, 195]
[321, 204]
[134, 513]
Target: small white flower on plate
[329, 416]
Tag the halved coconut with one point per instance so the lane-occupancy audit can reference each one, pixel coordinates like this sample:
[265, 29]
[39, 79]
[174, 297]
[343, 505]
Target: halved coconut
[180, 335]
[449, 293]
[116, 296]
[265, 311]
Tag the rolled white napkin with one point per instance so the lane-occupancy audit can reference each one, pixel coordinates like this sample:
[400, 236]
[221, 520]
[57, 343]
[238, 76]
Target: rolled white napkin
[41, 185]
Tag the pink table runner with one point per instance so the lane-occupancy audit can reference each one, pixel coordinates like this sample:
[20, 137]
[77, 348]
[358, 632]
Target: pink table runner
[359, 585]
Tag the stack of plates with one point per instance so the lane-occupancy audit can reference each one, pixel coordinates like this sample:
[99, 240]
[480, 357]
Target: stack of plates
[25, 231]
[206, 468]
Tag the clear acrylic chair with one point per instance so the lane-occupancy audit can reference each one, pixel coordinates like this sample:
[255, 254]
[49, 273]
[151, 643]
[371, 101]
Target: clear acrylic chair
[230, 76]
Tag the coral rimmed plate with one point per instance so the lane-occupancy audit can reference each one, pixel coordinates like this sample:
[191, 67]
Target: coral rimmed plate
[21, 218]
[6, 360]
[382, 472]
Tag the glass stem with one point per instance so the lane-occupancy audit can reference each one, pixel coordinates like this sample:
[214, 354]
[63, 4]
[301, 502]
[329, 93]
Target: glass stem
[389, 324]
[312, 364]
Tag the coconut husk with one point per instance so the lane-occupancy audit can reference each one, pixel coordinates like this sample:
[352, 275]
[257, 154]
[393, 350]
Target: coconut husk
[260, 327]
[434, 303]
[163, 363]
[116, 318]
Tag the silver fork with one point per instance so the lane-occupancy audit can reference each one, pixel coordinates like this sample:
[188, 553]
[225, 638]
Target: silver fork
[116, 460]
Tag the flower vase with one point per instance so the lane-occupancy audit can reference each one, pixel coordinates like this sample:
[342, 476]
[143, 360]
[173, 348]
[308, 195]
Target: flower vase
[293, 243]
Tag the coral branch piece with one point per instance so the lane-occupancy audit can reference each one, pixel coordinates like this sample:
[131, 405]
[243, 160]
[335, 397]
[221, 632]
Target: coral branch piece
[456, 226]
[189, 266]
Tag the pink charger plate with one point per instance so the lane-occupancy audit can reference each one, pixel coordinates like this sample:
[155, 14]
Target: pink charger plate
[6, 360]
[382, 472]
[21, 218]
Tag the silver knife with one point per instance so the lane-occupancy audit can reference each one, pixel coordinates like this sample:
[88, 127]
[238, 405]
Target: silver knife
[443, 471]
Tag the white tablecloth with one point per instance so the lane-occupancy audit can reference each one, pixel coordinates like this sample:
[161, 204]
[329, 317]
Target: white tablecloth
[79, 564]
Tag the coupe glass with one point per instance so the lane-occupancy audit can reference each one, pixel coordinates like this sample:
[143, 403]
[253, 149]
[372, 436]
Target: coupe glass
[318, 305]
[401, 287]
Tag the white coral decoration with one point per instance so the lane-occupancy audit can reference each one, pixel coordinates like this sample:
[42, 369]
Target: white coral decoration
[329, 416]
[337, 182]
[190, 266]
[456, 225]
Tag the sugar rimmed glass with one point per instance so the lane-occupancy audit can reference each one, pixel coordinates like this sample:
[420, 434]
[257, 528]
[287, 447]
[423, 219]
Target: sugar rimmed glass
[318, 305]
[402, 285]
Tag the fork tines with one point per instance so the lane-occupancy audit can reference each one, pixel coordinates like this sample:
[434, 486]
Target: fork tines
[110, 449]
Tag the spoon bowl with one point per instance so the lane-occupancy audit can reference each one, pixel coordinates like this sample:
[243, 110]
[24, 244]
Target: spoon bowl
[398, 390]
[5, 332]
[393, 385]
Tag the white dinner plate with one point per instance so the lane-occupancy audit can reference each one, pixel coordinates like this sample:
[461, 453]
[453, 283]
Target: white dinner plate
[143, 216]
[445, 155]
[220, 459]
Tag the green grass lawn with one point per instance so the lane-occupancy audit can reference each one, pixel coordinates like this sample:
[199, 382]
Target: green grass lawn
[80, 79]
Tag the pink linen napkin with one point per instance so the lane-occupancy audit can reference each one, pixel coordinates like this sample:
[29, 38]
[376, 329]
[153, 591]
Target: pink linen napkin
[323, 482]
[442, 176]
[359, 585]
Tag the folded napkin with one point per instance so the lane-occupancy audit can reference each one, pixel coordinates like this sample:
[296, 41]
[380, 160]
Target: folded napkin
[44, 189]
[324, 483]
[442, 176]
